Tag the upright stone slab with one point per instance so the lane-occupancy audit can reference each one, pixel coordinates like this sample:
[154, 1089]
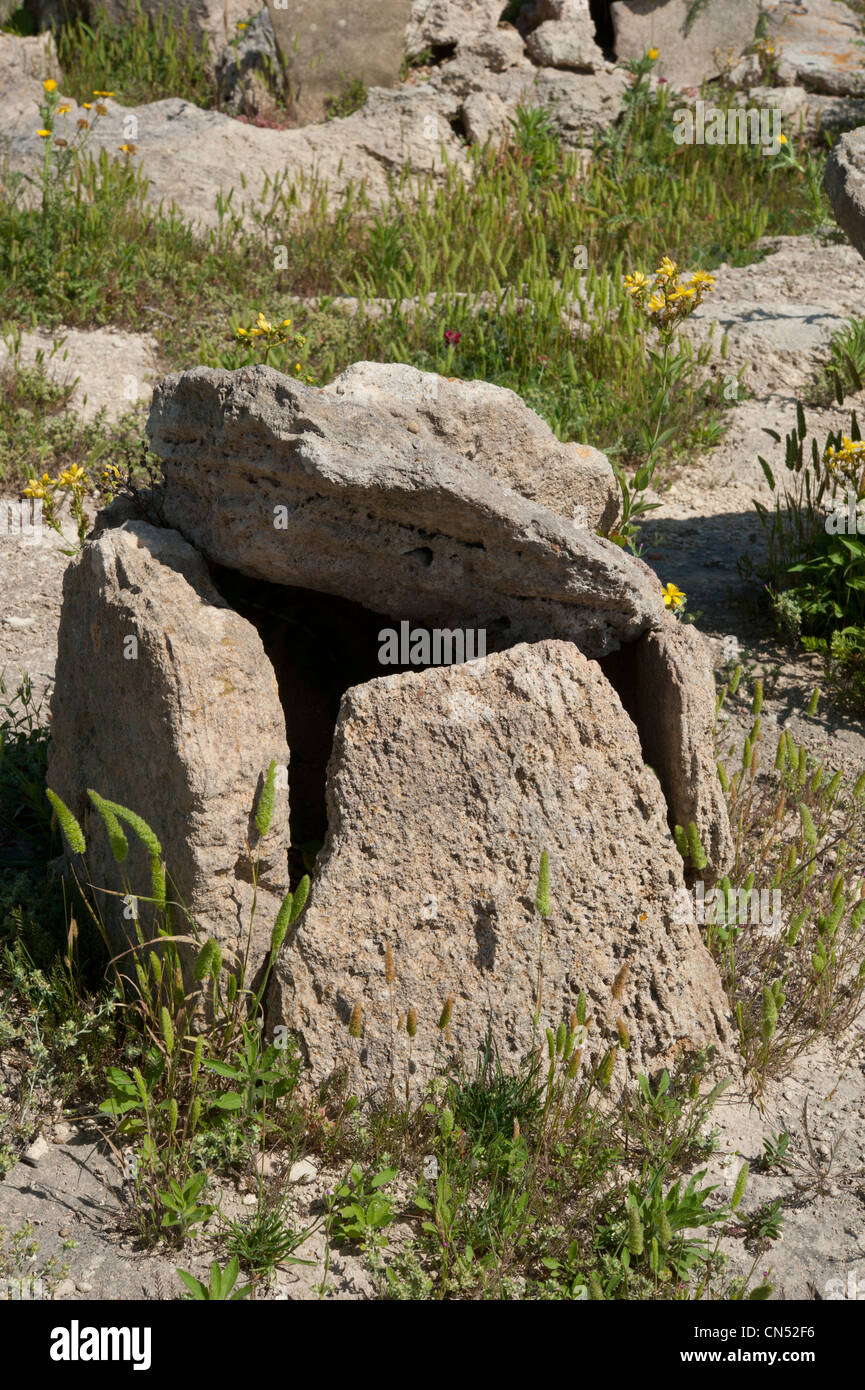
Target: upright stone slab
[444, 789]
[165, 702]
[326, 44]
[691, 49]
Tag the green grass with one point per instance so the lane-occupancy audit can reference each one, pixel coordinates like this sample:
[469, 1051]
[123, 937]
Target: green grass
[97, 253]
[38, 434]
[539, 1189]
[140, 60]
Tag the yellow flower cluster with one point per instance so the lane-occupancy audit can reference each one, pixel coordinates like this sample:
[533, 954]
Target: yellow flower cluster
[668, 300]
[273, 336]
[264, 329]
[848, 462]
[72, 480]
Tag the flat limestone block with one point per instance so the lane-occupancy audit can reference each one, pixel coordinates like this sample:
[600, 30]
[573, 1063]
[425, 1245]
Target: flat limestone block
[820, 45]
[325, 45]
[690, 50]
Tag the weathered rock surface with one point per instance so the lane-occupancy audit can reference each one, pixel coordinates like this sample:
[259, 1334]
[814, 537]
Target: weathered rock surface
[189, 155]
[820, 45]
[498, 50]
[179, 726]
[249, 74]
[568, 43]
[781, 313]
[561, 9]
[324, 48]
[375, 513]
[449, 24]
[26, 61]
[845, 183]
[689, 52]
[444, 788]
[495, 429]
[674, 710]
[808, 111]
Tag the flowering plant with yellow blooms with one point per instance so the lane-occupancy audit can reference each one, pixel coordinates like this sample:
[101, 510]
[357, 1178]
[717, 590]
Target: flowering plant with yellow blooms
[271, 342]
[72, 482]
[663, 301]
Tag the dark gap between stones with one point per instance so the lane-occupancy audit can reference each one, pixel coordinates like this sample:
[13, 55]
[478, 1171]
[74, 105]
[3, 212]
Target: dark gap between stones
[319, 645]
[605, 36]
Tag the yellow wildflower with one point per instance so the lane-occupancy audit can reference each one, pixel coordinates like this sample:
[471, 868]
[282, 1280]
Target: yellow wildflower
[653, 53]
[782, 139]
[43, 134]
[49, 85]
[87, 105]
[673, 597]
[103, 94]
[702, 278]
[635, 283]
[73, 476]
[34, 490]
[667, 270]
[656, 303]
[63, 110]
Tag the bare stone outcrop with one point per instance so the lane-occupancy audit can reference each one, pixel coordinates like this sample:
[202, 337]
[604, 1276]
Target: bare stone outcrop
[845, 183]
[445, 787]
[819, 45]
[567, 43]
[449, 24]
[26, 60]
[166, 703]
[189, 154]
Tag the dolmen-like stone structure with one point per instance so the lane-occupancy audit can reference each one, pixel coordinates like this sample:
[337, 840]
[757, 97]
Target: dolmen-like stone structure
[238, 615]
